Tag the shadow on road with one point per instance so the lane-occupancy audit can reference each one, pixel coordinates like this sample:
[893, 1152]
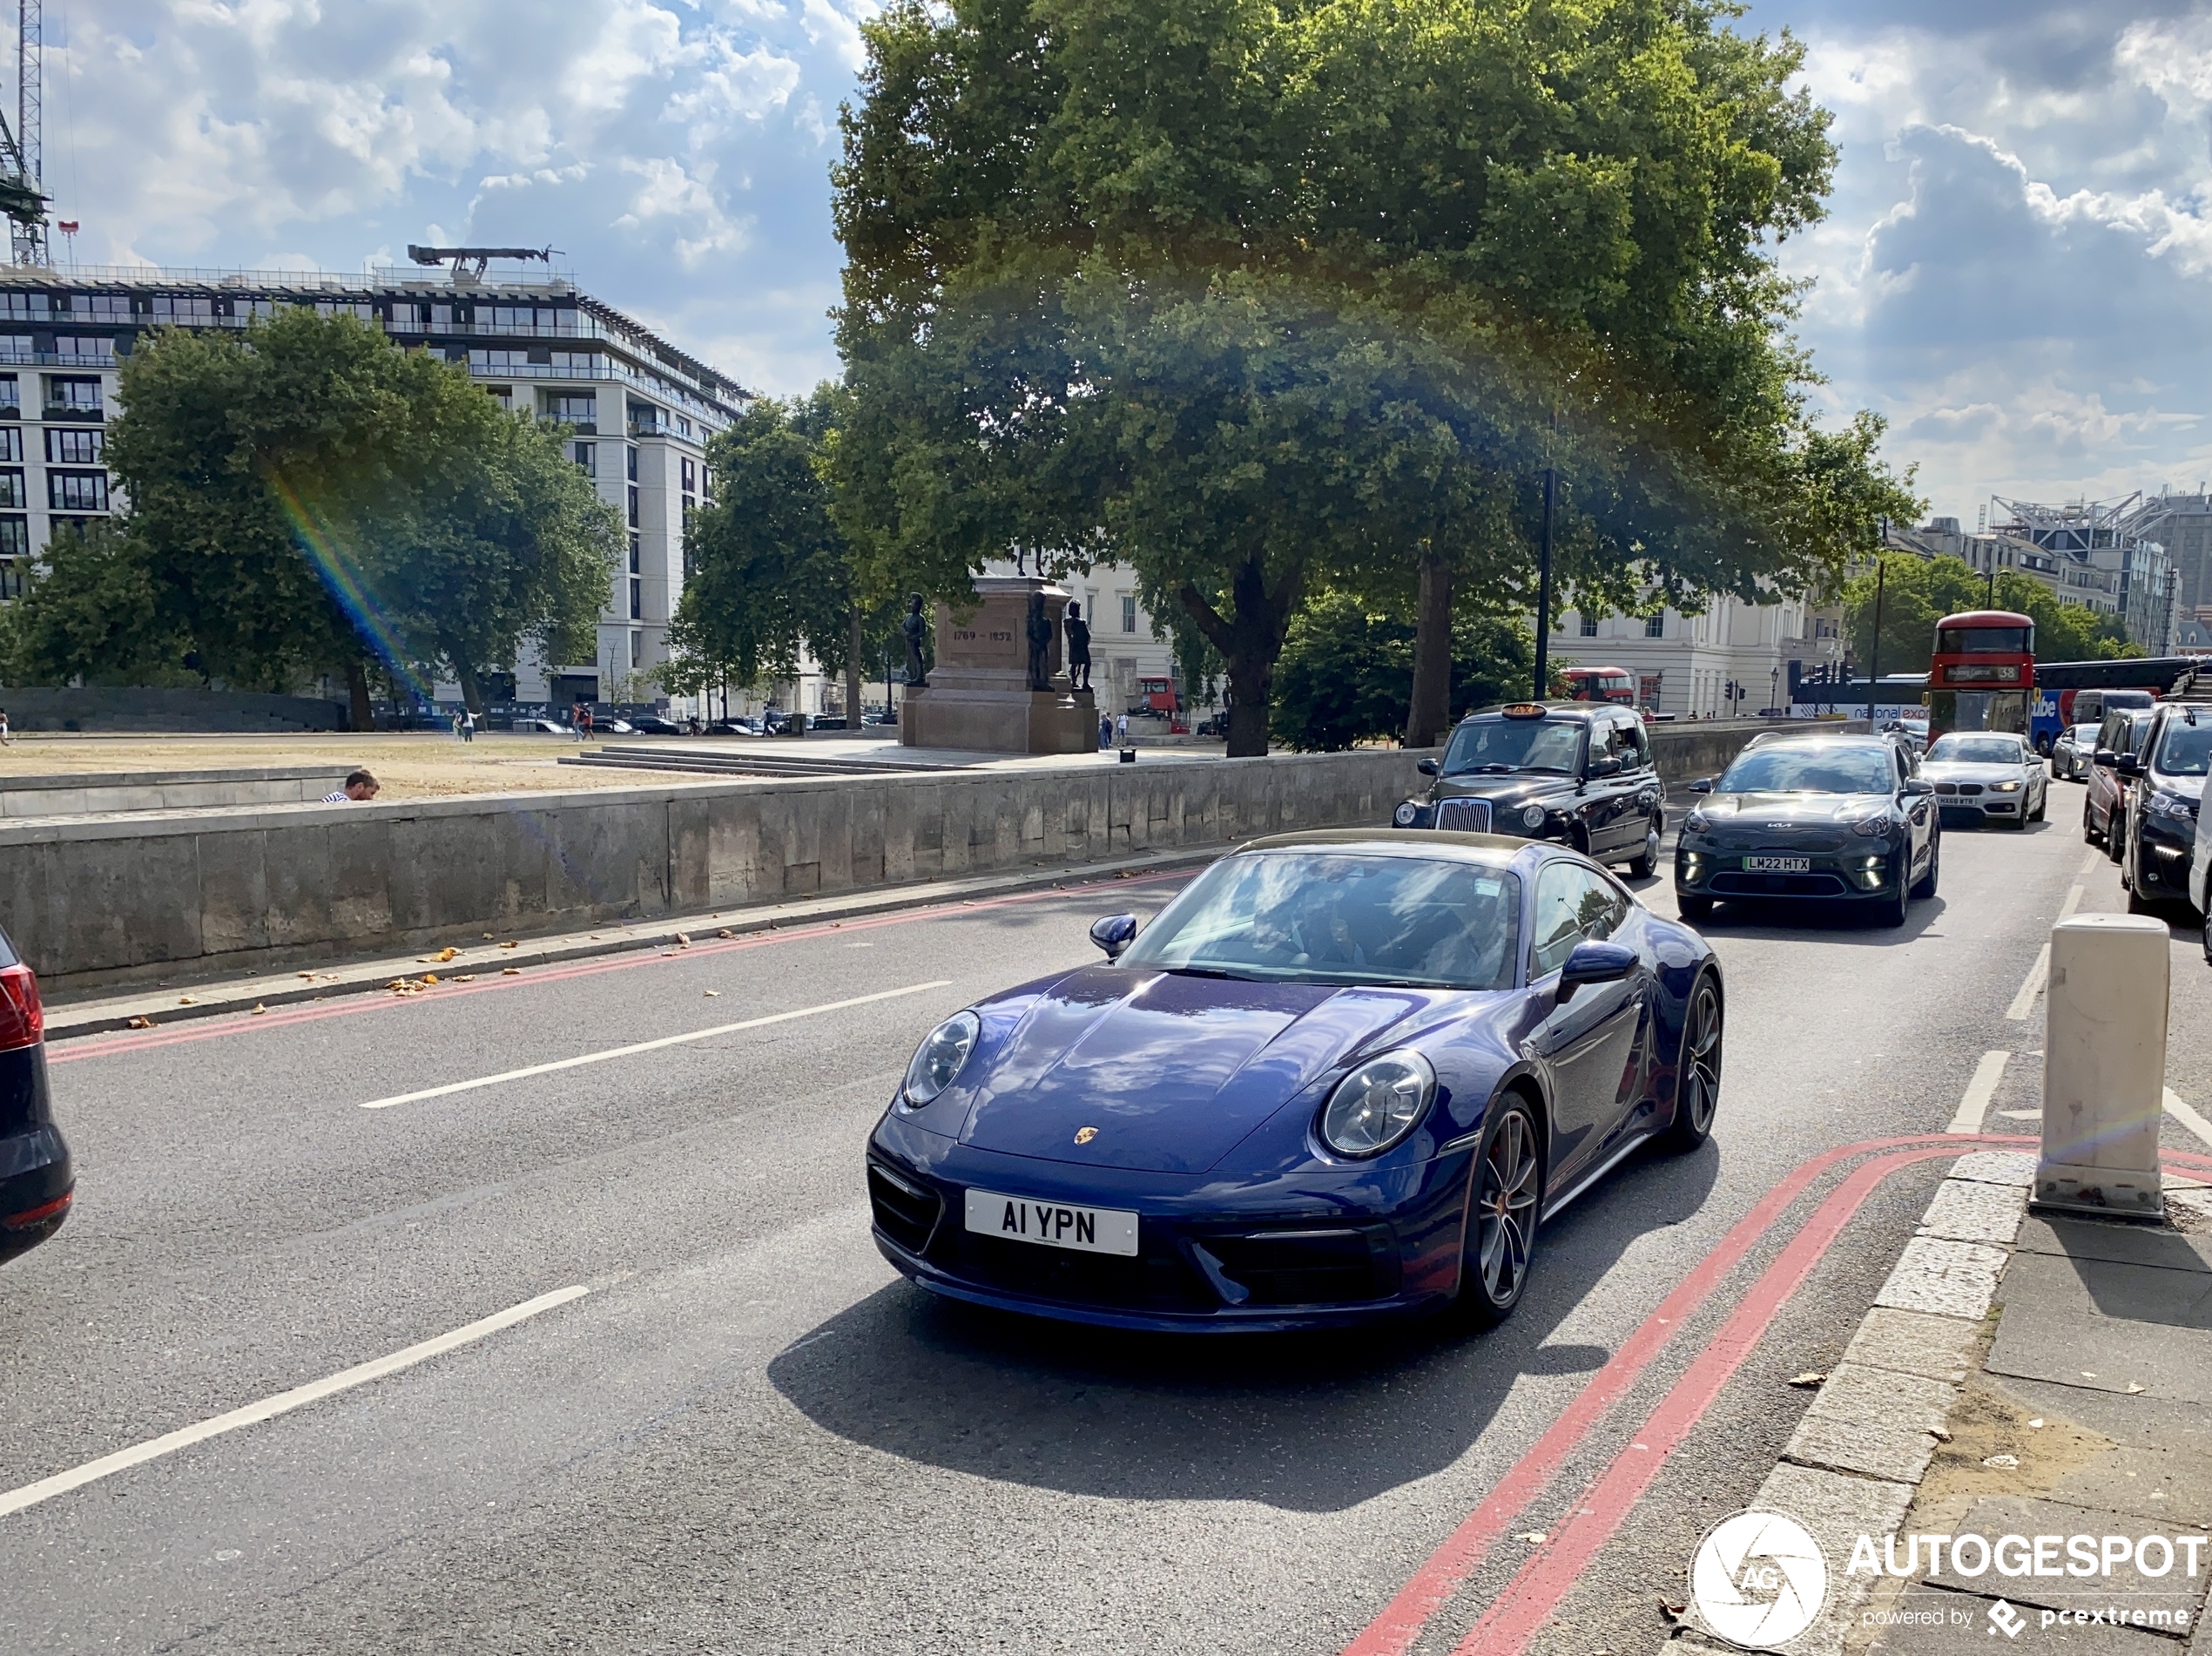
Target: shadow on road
[1305, 1422]
[1828, 922]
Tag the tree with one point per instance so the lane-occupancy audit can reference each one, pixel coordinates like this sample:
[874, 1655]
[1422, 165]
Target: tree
[1346, 673]
[308, 499]
[1259, 299]
[772, 569]
[94, 614]
[1917, 593]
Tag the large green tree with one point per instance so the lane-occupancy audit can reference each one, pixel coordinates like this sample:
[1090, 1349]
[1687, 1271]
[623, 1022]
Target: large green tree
[1917, 593]
[1346, 673]
[308, 499]
[1257, 298]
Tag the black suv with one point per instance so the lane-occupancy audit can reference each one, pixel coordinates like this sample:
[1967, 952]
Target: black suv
[36, 1182]
[1577, 771]
[2153, 820]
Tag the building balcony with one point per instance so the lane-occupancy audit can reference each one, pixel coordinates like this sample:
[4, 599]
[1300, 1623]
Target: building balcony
[70, 414]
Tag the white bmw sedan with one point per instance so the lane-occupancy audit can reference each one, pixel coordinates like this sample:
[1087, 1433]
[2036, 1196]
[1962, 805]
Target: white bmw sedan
[1987, 776]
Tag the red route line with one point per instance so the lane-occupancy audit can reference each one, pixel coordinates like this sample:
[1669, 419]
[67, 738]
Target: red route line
[1399, 1623]
[1536, 1589]
[217, 1028]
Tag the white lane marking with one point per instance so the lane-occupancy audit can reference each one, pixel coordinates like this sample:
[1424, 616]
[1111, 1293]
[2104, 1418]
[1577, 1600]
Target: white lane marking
[2188, 1117]
[1973, 1104]
[2025, 1001]
[649, 1046]
[2089, 862]
[283, 1402]
[2072, 902]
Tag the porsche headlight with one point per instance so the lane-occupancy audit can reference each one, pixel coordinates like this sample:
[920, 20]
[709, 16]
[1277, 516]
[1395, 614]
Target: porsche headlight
[1377, 1104]
[939, 1057]
[1407, 815]
[1532, 816]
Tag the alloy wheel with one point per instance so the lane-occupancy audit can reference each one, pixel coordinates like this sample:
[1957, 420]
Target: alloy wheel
[1698, 1081]
[1506, 1210]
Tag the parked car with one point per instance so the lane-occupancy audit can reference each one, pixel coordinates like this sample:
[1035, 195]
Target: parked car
[1826, 819]
[653, 725]
[1577, 771]
[2120, 736]
[1344, 1077]
[735, 728]
[2157, 822]
[38, 1183]
[1987, 776]
[2072, 752]
[609, 725]
[542, 727]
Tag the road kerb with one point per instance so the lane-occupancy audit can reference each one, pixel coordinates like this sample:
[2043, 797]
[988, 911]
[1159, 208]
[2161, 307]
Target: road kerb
[183, 1000]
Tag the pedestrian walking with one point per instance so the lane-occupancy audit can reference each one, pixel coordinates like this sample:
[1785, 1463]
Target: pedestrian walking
[1124, 726]
[5, 738]
[583, 722]
[361, 786]
[467, 724]
[455, 720]
[1105, 733]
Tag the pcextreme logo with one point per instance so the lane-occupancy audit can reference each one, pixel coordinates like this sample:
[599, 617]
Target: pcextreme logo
[1758, 1580]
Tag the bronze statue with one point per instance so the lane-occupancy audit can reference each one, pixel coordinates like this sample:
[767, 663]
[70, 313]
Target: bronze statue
[1038, 625]
[917, 631]
[1078, 647]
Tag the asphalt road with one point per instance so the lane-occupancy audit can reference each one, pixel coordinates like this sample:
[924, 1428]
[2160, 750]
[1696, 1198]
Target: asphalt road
[749, 1434]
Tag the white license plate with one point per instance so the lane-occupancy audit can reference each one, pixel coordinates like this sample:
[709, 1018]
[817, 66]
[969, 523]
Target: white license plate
[1777, 865]
[1088, 1230]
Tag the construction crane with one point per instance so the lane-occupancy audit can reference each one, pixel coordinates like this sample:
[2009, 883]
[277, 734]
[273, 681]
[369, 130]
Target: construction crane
[482, 255]
[22, 201]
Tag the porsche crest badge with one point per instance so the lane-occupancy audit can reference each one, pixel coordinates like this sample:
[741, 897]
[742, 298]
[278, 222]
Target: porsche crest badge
[1084, 1135]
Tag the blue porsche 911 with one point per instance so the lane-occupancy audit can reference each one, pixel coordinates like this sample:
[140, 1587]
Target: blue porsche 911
[1342, 1076]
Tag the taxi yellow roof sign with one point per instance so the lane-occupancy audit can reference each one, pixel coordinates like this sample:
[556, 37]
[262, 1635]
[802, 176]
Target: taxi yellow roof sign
[1524, 710]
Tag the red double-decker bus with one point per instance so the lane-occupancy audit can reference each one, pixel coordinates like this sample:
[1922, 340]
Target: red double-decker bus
[1982, 675]
[1601, 684]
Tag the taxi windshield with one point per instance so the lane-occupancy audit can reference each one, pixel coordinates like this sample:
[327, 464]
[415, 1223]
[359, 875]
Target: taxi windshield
[1304, 916]
[1501, 744]
[1976, 750]
[1786, 768]
[2184, 749]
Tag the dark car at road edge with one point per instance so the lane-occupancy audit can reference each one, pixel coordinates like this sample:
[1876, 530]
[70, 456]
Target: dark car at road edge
[37, 1181]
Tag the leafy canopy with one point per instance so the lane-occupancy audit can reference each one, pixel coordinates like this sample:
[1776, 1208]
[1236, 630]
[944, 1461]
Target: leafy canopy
[1917, 593]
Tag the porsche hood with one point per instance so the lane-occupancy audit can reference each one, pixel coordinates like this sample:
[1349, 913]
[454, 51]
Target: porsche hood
[1171, 1070]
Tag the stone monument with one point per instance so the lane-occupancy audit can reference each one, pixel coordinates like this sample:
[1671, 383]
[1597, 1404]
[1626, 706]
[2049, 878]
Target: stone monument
[998, 686]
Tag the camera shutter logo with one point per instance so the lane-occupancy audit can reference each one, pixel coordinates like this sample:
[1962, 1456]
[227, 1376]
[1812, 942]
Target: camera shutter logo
[1758, 1580]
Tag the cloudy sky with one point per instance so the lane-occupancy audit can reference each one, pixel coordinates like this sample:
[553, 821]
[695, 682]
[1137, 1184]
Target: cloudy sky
[2016, 270]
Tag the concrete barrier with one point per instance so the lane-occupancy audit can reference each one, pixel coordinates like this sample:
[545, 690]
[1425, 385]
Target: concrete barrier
[120, 900]
[62, 794]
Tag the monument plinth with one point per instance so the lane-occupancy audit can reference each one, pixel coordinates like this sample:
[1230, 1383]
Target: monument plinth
[998, 686]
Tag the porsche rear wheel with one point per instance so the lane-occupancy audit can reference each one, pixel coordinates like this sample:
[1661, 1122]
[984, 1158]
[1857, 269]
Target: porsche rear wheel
[1501, 1218]
[1697, 1071]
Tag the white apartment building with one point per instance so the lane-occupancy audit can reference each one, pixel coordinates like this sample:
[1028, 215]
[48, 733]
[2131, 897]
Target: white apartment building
[643, 409]
[1683, 664]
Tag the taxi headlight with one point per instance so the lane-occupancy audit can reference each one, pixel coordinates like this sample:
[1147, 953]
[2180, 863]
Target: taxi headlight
[1532, 816]
[1377, 1104]
[938, 1059]
[1407, 815]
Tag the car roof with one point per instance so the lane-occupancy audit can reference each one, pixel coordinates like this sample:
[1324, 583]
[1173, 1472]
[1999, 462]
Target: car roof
[1488, 850]
[1840, 738]
[1584, 711]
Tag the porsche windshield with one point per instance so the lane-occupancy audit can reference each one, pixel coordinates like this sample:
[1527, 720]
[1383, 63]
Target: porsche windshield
[1314, 918]
[1789, 767]
[1503, 744]
[1976, 750]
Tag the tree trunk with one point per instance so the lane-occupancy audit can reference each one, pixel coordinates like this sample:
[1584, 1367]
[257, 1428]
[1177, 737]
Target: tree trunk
[853, 668]
[360, 713]
[1251, 641]
[1431, 712]
[472, 694]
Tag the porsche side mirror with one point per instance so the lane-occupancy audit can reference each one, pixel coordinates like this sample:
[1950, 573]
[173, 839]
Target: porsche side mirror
[1702, 785]
[1919, 786]
[1113, 934]
[1427, 768]
[1596, 962]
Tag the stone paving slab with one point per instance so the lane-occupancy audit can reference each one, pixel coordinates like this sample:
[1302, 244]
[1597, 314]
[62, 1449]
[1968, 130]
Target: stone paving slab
[1836, 1508]
[2116, 1243]
[1996, 1167]
[1950, 1279]
[2089, 1327]
[1968, 1211]
[1874, 1422]
[1997, 1517]
[1913, 1342]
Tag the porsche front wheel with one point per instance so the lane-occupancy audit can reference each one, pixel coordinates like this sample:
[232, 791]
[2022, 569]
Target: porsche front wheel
[1697, 1071]
[1501, 1218]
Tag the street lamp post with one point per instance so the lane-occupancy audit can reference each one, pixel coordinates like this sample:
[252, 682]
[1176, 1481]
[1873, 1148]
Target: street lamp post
[1544, 585]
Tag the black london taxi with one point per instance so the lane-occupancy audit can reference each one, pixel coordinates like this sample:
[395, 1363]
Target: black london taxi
[1577, 771]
